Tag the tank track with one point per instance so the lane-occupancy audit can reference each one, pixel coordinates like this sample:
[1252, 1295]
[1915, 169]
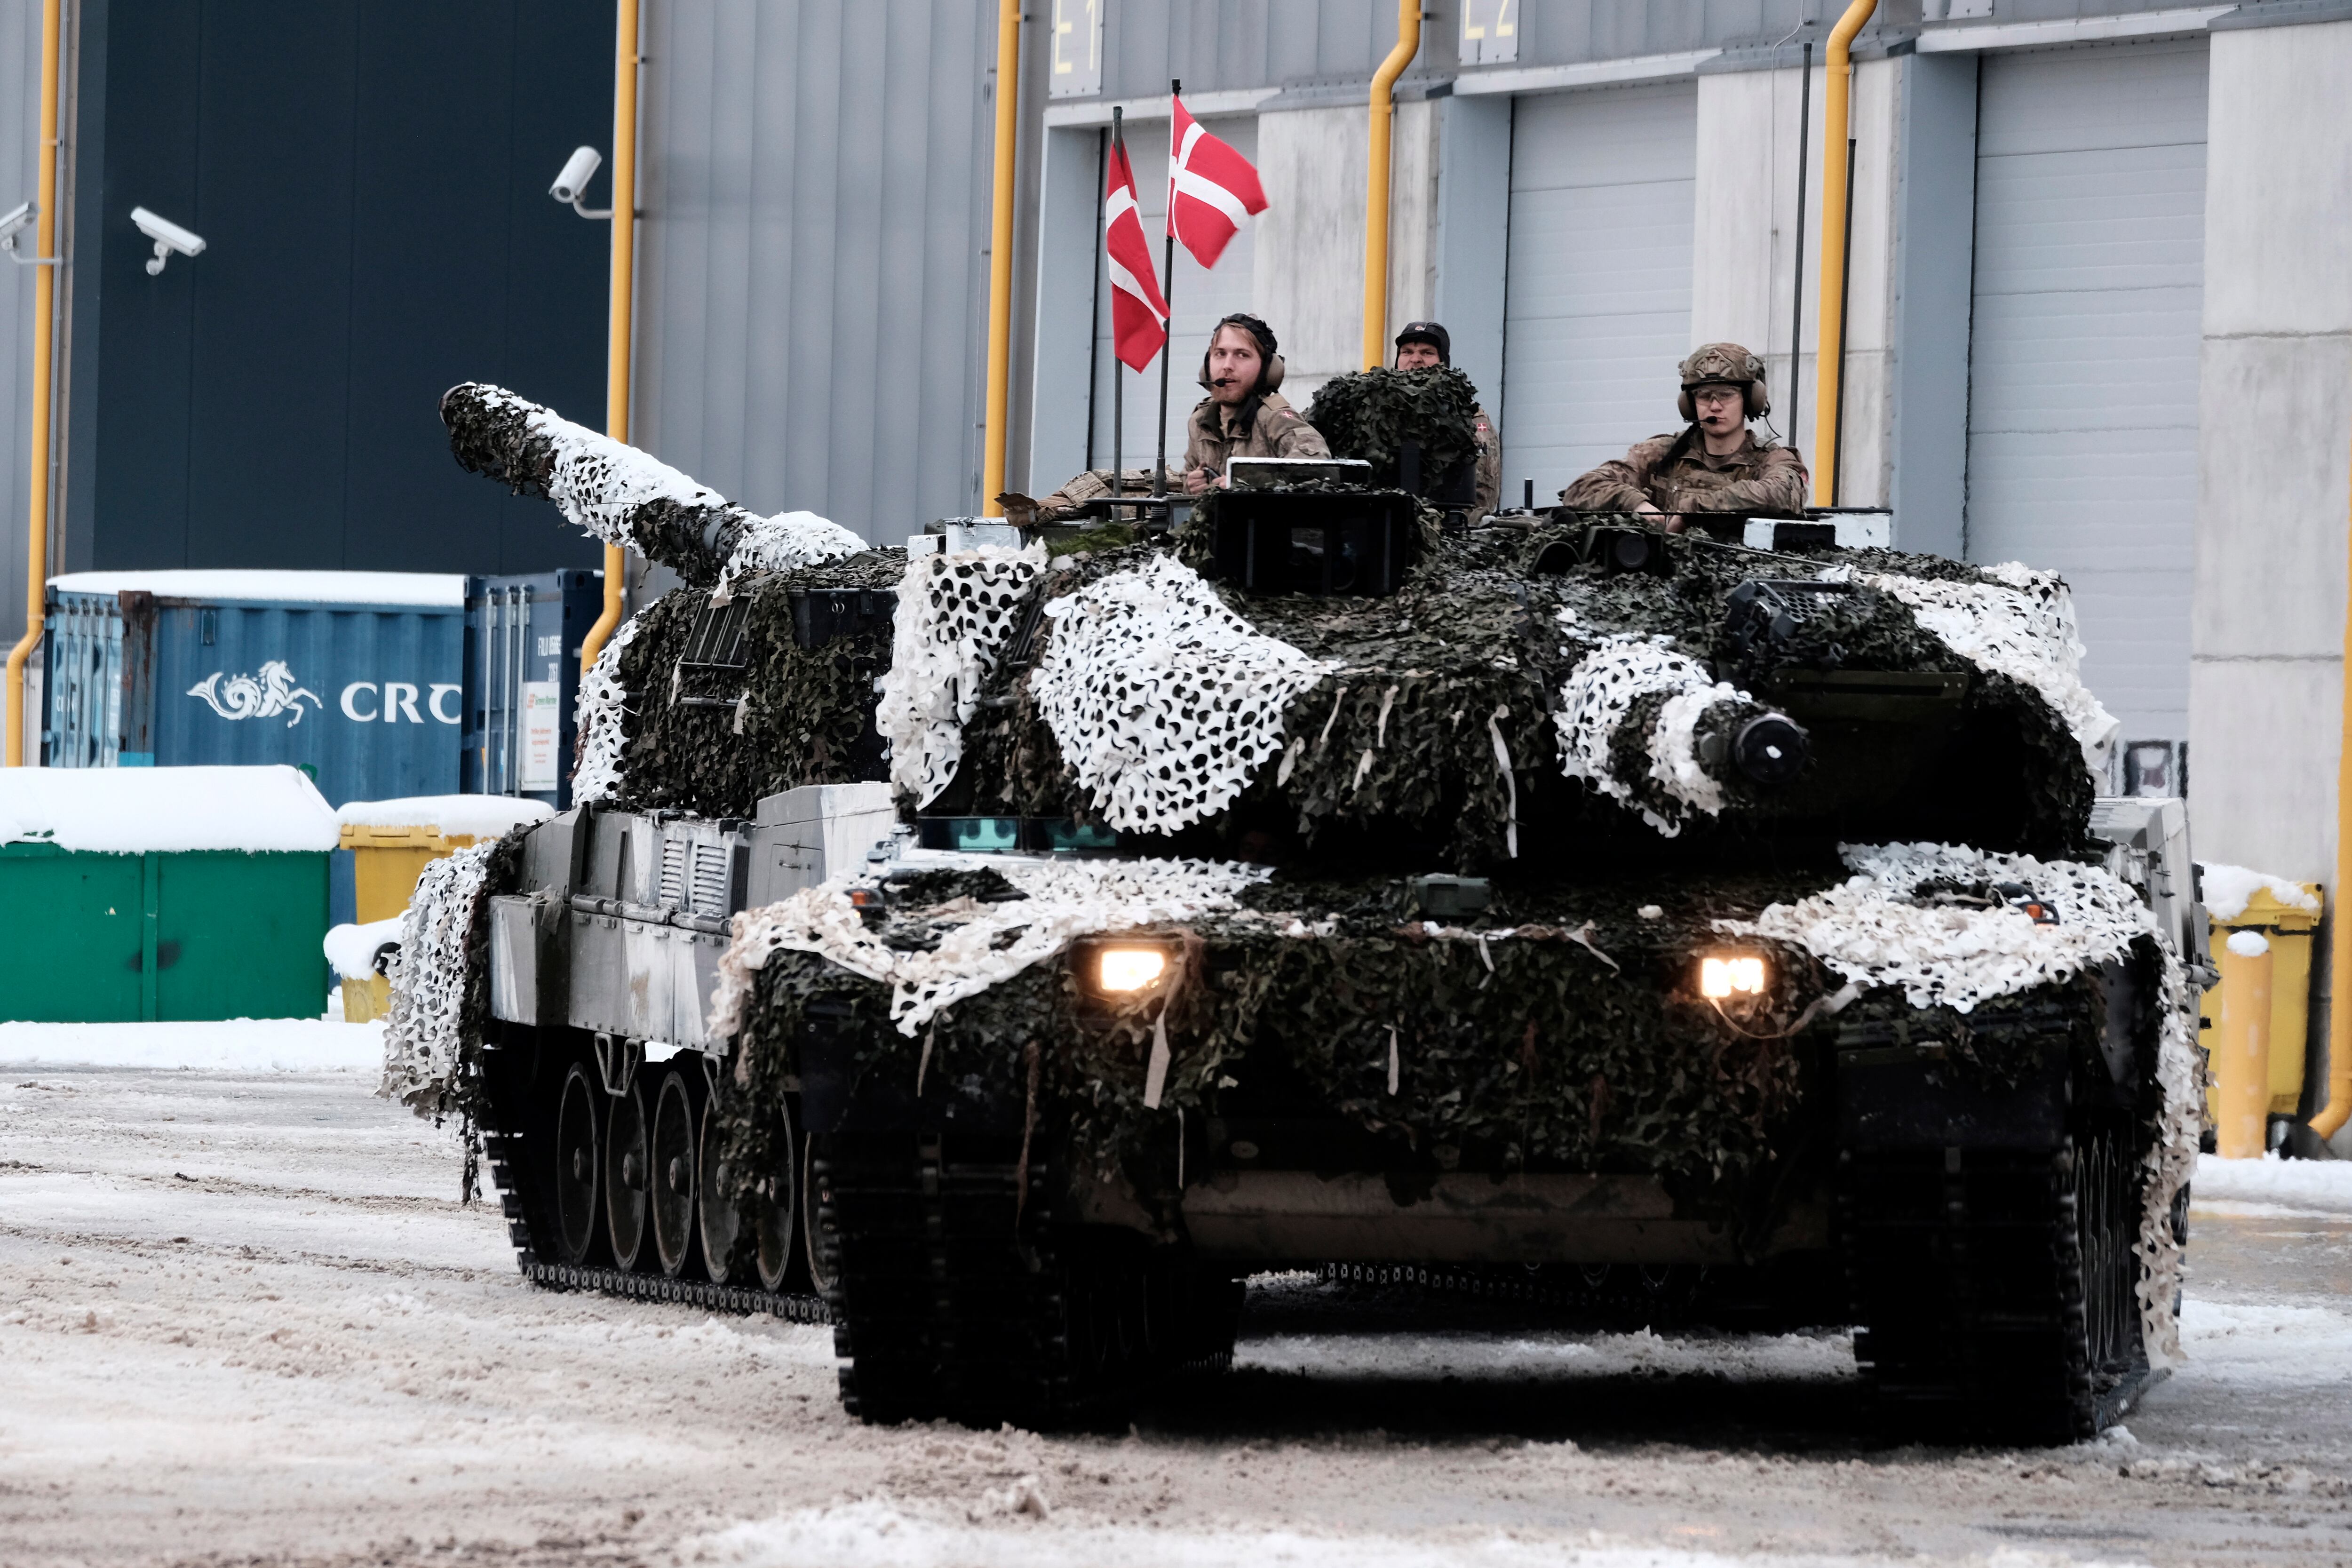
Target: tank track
[1995, 1292]
[955, 1295]
[505, 1151]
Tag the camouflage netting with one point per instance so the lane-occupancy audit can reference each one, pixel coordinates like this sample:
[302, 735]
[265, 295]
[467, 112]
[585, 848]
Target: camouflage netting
[791, 716]
[1372, 413]
[1433, 739]
[623, 496]
[1564, 1032]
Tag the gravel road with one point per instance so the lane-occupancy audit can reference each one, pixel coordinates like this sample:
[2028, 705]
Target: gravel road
[244, 1319]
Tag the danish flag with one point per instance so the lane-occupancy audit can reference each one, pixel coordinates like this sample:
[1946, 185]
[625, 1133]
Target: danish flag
[1138, 315]
[1212, 189]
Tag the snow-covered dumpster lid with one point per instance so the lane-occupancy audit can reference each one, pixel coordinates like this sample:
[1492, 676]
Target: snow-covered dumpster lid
[428, 589]
[451, 816]
[138, 811]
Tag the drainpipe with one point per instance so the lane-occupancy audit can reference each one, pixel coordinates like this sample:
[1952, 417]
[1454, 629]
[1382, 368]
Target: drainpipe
[1830, 370]
[44, 297]
[1376, 197]
[999, 256]
[2338, 1108]
[620, 320]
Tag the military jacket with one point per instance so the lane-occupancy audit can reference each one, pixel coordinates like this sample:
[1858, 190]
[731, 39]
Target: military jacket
[1677, 474]
[1276, 430]
[1490, 465]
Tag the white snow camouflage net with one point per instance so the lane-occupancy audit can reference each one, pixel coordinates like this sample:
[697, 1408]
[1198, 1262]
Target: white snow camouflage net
[1602, 688]
[1870, 929]
[422, 1032]
[2025, 630]
[787, 541]
[1163, 702]
[1065, 899]
[956, 612]
[602, 706]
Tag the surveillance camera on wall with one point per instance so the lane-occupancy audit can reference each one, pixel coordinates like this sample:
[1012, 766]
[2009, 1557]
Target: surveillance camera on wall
[13, 221]
[168, 236]
[578, 170]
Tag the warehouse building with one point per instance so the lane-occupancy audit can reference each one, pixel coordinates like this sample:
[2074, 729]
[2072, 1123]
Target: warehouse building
[2098, 315]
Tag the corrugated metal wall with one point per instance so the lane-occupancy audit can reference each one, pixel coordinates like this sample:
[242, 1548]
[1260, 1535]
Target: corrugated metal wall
[20, 90]
[812, 307]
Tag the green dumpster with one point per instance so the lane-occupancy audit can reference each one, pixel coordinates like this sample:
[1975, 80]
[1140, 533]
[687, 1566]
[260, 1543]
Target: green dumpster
[163, 894]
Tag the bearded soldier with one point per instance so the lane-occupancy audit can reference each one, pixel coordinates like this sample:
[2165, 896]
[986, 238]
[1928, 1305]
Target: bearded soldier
[1244, 415]
[1714, 464]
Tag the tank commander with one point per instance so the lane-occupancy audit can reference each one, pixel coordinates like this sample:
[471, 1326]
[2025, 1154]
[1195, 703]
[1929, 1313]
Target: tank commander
[1243, 415]
[1715, 464]
[1419, 346]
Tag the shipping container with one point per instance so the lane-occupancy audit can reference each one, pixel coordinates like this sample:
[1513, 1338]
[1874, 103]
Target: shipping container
[356, 678]
[522, 681]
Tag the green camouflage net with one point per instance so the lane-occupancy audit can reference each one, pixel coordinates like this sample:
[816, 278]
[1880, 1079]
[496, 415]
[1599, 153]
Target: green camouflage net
[1372, 413]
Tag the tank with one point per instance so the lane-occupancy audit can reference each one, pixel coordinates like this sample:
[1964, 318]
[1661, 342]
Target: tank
[1008, 944]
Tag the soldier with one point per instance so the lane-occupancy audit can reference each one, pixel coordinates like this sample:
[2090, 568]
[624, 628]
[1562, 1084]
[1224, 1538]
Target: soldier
[1715, 464]
[1420, 345]
[1243, 415]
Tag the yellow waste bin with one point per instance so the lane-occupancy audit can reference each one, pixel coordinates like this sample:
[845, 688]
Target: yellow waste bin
[391, 841]
[2287, 925]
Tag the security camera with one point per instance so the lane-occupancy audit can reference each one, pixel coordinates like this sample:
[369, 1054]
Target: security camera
[578, 170]
[168, 236]
[16, 218]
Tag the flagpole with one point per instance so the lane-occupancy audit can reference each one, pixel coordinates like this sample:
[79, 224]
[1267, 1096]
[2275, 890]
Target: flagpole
[1167, 297]
[1118, 365]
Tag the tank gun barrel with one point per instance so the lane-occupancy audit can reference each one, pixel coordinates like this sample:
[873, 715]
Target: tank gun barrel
[621, 495]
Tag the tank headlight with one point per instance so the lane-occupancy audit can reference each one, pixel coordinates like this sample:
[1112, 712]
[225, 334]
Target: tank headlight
[1722, 975]
[1123, 970]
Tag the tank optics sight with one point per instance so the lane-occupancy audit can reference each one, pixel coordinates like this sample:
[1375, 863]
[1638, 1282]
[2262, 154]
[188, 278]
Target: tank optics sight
[1722, 975]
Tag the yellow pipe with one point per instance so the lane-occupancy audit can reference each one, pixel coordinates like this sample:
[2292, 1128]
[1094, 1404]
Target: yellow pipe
[2338, 1108]
[999, 256]
[45, 296]
[1828, 368]
[1376, 195]
[617, 326]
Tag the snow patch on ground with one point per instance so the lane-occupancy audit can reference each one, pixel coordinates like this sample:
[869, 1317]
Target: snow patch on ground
[882, 1532]
[2248, 1345]
[2314, 1187]
[237, 1045]
[1734, 1358]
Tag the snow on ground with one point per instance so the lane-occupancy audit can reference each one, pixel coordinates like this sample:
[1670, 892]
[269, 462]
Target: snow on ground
[2271, 1187]
[246, 1319]
[246, 1045]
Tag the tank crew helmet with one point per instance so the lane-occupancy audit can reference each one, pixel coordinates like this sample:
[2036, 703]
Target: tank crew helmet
[1428, 333]
[1724, 364]
[1269, 361]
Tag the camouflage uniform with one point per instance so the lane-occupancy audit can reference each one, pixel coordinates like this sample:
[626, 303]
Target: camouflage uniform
[1094, 485]
[1273, 429]
[1678, 474]
[1490, 465]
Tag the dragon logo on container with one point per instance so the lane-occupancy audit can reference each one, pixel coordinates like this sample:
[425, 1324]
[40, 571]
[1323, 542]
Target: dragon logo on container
[263, 696]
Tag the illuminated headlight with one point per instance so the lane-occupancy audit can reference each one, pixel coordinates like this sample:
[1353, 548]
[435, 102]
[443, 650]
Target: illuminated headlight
[1122, 971]
[1726, 975]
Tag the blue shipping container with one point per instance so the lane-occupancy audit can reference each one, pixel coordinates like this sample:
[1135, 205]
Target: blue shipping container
[522, 680]
[356, 678]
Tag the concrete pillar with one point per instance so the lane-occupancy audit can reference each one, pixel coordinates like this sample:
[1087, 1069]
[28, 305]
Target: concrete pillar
[1745, 250]
[2274, 421]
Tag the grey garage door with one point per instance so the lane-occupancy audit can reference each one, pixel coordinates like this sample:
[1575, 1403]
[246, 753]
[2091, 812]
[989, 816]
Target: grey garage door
[1598, 307]
[2082, 369]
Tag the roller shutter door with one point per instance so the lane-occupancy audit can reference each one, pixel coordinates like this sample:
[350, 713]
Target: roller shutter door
[2082, 366]
[1598, 302]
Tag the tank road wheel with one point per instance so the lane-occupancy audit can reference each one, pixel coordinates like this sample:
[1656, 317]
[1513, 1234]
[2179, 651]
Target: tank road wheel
[776, 1212]
[720, 1221]
[575, 1172]
[671, 1191]
[626, 1170]
[813, 1256]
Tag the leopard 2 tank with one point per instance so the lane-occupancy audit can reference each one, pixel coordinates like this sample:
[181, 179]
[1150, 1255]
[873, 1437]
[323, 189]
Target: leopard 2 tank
[1020, 939]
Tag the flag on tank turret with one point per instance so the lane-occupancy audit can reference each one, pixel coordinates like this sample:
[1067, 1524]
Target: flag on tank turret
[1212, 189]
[1139, 314]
